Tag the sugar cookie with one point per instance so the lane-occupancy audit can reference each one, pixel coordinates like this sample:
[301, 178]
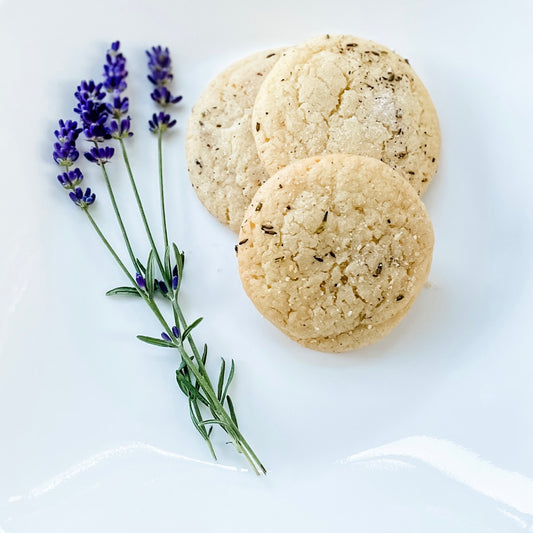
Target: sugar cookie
[334, 249]
[222, 159]
[343, 94]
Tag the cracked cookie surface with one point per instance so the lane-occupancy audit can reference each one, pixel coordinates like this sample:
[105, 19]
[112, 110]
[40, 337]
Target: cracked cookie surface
[222, 159]
[334, 249]
[342, 94]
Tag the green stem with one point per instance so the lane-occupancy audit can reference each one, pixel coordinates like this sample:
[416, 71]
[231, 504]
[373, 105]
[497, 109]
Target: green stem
[111, 250]
[161, 189]
[119, 218]
[141, 209]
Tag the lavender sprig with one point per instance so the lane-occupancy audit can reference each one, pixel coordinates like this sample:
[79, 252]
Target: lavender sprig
[101, 120]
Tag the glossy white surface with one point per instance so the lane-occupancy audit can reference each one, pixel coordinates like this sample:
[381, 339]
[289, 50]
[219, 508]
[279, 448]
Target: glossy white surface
[429, 430]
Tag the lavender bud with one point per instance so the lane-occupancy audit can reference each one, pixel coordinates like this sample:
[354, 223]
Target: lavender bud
[119, 107]
[165, 337]
[141, 282]
[163, 287]
[82, 199]
[174, 283]
[160, 122]
[68, 131]
[159, 60]
[176, 332]
[71, 179]
[120, 130]
[163, 97]
[65, 154]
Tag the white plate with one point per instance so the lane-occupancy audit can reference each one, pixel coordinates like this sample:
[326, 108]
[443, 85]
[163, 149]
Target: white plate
[428, 430]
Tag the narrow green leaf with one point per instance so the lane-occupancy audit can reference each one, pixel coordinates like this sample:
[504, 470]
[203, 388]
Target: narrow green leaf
[213, 421]
[180, 379]
[140, 266]
[221, 379]
[188, 329]
[195, 420]
[232, 411]
[150, 273]
[123, 290]
[197, 411]
[230, 379]
[180, 259]
[155, 341]
[166, 264]
[189, 390]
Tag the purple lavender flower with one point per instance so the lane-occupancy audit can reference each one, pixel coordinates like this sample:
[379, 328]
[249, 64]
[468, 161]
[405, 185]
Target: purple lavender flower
[163, 287]
[115, 70]
[176, 332]
[88, 91]
[163, 97]
[160, 67]
[100, 156]
[82, 199]
[92, 110]
[65, 154]
[120, 130]
[165, 337]
[160, 122]
[174, 282]
[70, 179]
[94, 117]
[119, 107]
[68, 131]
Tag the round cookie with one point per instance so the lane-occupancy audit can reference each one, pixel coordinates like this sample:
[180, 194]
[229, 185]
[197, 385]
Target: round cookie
[222, 159]
[342, 94]
[334, 249]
